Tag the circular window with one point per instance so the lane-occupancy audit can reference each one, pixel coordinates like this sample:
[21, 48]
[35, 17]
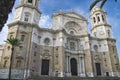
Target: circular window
[47, 41]
[72, 32]
[95, 47]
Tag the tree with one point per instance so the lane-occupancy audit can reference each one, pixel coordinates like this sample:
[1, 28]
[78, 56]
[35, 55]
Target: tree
[13, 42]
[97, 1]
[5, 8]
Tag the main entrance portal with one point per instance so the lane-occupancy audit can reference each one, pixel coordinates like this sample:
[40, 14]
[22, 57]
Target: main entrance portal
[45, 67]
[73, 64]
[98, 69]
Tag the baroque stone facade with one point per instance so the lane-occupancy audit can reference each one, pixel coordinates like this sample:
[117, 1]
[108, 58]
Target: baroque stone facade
[1, 51]
[67, 49]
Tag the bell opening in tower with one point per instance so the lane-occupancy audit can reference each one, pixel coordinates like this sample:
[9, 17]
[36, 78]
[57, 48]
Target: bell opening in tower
[29, 1]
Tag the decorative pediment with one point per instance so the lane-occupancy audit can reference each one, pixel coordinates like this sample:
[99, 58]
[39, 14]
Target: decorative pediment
[72, 27]
[19, 57]
[75, 15]
[6, 57]
[46, 54]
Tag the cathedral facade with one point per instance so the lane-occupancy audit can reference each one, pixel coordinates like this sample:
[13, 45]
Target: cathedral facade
[66, 49]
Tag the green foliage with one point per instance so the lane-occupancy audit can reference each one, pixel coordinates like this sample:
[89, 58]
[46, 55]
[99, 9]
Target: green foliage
[5, 8]
[93, 4]
[97, 1]
[13, 41]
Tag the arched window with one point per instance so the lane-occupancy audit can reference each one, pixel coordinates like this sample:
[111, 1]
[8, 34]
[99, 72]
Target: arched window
[11, 36]
[72, 46]
[29, 1]
[72, 32]
[95, 34]
[18, 64]
[21, 47]
[108, 32]
[36, 3]
[8, 47]
[98, 19]
[94, 19]
[103, 18]
[26, 18]
[35, 53]
[5, 64]
[22, 37]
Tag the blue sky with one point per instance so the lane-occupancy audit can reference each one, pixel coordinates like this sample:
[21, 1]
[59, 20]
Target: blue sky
[47, 7]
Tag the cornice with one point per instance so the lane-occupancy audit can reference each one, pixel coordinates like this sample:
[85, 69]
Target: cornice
[93, 12]
[61, 30]
[45, 29]
[22, 23]
[99, 25]
[65, 14]
[75, 36]
[100, 39]
[29, 6]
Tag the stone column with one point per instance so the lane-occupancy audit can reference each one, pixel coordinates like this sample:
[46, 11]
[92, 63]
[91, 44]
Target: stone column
[83, 67]
[67, 65]
[69, 72]
[79, 67]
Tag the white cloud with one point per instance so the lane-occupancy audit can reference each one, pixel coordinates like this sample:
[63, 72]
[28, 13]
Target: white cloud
[3, 34]
[45, 21]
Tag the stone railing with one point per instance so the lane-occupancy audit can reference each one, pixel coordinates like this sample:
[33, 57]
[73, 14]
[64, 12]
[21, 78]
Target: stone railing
[15, 73]
[74, 51]
[74, 78]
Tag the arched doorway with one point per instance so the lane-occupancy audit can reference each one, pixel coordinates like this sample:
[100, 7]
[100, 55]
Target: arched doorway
[45, 67]
[73, 64]
[98, 69]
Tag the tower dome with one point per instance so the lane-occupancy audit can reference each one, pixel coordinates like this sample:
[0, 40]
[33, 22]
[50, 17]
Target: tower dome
[100, 27]
[98, 16]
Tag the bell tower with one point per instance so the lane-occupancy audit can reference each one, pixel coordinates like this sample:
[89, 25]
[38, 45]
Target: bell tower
[28, 11]
[100, 27]
[34, 3]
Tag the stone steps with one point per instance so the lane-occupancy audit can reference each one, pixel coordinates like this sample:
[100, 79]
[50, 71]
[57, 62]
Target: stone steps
[75, 78]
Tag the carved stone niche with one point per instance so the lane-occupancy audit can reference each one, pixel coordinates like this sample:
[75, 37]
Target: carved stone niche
[46, 54]
[72, 26]
[6, 57]
[97, 58]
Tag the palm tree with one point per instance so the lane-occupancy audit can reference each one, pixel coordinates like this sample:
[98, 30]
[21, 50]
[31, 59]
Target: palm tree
[13, 42]
[97, 1]
[5, 8]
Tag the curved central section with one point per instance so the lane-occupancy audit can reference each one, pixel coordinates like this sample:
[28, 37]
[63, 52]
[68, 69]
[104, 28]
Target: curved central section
[72, 27]
[73, 63]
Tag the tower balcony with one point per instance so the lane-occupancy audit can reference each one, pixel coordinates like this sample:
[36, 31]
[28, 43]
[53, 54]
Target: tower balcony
[74, 51]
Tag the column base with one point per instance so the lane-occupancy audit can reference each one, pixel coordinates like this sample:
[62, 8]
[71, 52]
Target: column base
[60, 74]
[82, 75]
[67, 74]
[89, 74]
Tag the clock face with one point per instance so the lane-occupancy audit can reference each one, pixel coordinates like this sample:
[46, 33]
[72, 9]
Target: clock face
[101, 32]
